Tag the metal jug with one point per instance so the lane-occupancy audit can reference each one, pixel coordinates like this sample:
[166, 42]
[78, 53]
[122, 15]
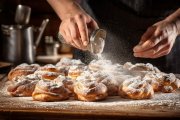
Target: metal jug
[18, 42]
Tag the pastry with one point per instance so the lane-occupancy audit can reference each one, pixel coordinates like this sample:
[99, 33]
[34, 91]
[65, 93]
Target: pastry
[135, 88]
[87, 89]
[140, 69]
[75, 71]
[111, 84]
[97, 65]
[154, 80]
[22, 86]
[169, 83]
[50, 90]
[68, 82]
[22, 70]
[65, 63]
[48, 72]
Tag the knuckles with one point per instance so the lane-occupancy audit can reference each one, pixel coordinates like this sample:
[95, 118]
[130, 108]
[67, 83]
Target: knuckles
[79, 16]
[151, 43]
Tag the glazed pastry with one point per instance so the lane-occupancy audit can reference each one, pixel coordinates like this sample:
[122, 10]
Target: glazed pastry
[50, 90]
[22, 86]
[22, 70]
[153, 79]
[135, 88]
[65, 63]
[140, 69]
[169, 83]
[68, 82]
[111, 84]
[48, 72]
[87, 89]
[97, 65]
[75, 71]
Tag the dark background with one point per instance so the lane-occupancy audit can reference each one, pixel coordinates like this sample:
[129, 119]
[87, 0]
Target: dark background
[40, 9]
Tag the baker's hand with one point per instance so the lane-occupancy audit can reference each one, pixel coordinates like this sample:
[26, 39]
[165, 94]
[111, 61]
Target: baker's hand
[157, 41]
[76, 29]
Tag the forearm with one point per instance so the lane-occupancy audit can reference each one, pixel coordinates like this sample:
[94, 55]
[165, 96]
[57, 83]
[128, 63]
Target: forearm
[175, 18]
[65, 8]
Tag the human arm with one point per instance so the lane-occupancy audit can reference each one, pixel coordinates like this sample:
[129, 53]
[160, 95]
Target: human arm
[76, 24]
[159, 39]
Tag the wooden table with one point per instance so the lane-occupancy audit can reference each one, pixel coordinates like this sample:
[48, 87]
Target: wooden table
[164, 105]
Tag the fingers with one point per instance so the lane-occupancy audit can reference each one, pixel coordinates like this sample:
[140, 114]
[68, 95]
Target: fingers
[74, 35]
[150, 43]
[163, 48]
[67, 36]
[76, 29]
[149, 40]
[164, 51]
[81, 23]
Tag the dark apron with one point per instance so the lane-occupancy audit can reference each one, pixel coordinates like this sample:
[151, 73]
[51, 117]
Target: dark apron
[125, 22]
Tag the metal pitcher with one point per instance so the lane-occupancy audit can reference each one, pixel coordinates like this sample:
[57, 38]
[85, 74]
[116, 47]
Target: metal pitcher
[18, 42]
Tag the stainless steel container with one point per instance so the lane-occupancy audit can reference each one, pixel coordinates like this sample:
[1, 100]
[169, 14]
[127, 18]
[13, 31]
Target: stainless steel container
[18, 42]
[96, 41]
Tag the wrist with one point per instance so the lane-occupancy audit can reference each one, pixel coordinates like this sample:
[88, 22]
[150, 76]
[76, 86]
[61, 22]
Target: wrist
[65, 8]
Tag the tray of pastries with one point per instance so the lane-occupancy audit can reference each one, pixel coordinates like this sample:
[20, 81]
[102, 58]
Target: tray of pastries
[71, 87]
[100, 79]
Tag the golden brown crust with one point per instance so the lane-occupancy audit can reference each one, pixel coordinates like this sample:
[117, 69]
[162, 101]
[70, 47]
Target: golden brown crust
[135, 88]
[140, 69]
[169, 83]
[153, 79]
[90, 91]
[75, 71]
[22, 86]
[22, 69]
[67, 82]
[65, 63]
[48, 91]
[111, 84]
[48, 72]
[97, 65]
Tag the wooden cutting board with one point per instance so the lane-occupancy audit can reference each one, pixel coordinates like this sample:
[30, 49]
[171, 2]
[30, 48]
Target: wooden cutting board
[161, 105]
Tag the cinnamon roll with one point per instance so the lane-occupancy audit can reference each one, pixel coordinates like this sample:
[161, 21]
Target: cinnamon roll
[140, 69]
[75, 71]
[50, 90]
[135, 88]
[97, 65]
[22, 86]
[68, 82]
[22, 70]
[169, 83]
[87, 89]
[47, 72]
[65, 63]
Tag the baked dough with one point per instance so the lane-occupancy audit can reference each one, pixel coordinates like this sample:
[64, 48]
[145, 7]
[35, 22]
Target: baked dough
[22, 70]
[135, 88]
[50, 90]
[22, 86]
[87, 89]
[47, 72]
